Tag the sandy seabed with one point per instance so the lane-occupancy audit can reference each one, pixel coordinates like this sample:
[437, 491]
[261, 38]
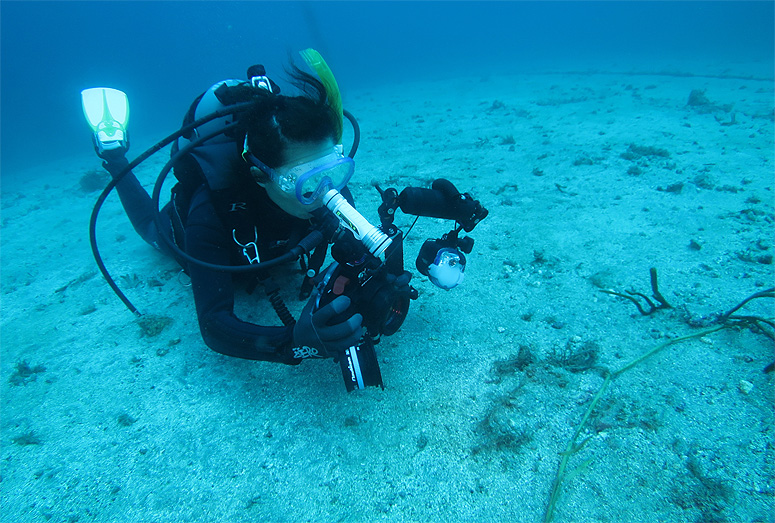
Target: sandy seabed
[591, 178]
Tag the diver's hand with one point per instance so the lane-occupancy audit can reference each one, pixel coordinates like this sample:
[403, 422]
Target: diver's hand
[114, 154]
[321, 339]
[112, 149]
[115, 161]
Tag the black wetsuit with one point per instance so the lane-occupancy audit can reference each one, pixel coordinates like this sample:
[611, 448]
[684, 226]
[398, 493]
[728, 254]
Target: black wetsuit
[211, 220]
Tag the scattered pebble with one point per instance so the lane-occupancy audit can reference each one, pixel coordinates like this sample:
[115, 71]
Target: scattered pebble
[745, 387]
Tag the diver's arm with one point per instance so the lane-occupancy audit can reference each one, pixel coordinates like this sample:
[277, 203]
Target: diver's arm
[137, 204]
[221, 330]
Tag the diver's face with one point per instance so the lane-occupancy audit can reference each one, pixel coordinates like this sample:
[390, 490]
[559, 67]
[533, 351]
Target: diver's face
[296, 153]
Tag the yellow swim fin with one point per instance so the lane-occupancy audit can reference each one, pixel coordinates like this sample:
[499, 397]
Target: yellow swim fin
[106, 111]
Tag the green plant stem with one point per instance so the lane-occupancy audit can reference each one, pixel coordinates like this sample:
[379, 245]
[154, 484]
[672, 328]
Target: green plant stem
[571, 449]
[667, 344]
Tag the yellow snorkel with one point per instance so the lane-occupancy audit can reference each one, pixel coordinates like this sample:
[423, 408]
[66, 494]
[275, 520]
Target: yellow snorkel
[316, 62]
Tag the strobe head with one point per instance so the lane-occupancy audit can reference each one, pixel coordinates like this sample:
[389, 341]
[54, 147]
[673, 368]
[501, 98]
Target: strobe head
[442, 262]
[447, 270]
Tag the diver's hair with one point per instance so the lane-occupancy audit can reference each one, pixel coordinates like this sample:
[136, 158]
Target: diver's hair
[276, 120]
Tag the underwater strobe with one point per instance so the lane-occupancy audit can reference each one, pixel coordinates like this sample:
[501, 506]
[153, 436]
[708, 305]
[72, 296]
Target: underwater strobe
[369, 266]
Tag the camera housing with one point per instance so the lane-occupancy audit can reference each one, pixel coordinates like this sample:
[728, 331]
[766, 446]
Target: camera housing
[374, 288]
[369, 267]
[374, 293]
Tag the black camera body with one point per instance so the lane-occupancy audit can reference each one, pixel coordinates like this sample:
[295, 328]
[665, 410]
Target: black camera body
[376, 292]
[374, 287]
[379, 288]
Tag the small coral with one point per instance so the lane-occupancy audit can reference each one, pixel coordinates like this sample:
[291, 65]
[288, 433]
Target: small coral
[513, 364]
[496, 105]
[697, 98]
[152, 325]
[25, 373]
[125, 420]
[583, 160]
[576, 356]
[94, 180]
[28, 438]
[502, 429]
[635, 152]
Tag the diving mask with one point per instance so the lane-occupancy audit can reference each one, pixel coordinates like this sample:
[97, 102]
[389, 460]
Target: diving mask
[309, 180]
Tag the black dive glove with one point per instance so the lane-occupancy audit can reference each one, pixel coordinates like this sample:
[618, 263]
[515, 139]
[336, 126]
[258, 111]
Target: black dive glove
[315, 337]
[115, 158]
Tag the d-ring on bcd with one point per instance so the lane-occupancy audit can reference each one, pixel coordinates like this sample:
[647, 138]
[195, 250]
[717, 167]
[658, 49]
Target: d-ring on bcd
[250, 245]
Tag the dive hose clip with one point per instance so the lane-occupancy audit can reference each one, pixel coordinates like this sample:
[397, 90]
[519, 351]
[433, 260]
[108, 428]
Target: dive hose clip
[250, 249]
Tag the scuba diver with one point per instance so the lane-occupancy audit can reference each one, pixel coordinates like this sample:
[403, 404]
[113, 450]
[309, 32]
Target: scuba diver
[262, 180]
[250, 194]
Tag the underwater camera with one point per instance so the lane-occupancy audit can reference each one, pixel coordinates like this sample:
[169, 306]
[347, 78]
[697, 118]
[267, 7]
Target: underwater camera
[369, 266]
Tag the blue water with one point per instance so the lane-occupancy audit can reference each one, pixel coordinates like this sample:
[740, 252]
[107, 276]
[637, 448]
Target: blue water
[164, 53]
[484, 386]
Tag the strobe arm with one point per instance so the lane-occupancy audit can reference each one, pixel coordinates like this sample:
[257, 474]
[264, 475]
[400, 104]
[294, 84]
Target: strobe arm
[442, 200]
